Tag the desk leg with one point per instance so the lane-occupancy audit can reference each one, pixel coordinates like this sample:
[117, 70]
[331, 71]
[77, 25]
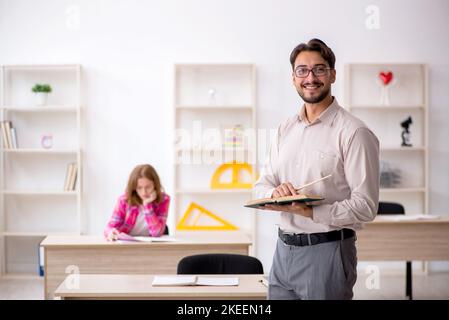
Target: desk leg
[408, 284]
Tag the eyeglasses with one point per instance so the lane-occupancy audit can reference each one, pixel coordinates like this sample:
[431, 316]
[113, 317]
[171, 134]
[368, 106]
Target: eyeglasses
[318, 71]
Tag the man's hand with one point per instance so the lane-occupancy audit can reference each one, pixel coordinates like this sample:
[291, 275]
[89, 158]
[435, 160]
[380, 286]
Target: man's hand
[287, 189]
[295, 208]
[150, 199]
[283, 190]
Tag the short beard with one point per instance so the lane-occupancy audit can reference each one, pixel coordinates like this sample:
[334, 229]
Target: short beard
[316, 99]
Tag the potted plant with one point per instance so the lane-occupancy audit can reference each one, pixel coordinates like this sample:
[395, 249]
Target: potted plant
[42, 91]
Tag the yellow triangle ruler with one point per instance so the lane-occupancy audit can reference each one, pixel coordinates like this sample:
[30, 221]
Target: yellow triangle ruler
[235, 183]
[183, 223]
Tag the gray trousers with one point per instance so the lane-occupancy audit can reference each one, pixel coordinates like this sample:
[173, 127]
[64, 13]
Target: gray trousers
[322, 271]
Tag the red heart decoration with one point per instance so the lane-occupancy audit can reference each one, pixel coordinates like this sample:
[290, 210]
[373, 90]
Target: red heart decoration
[386, 77]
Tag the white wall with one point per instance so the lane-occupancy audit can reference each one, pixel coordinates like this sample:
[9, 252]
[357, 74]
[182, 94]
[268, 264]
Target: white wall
[128, 48]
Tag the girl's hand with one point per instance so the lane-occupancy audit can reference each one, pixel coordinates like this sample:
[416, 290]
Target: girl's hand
[150, 199]
[113, 235]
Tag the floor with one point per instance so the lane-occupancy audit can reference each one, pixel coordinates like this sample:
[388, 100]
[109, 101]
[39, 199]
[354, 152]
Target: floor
[392, 287]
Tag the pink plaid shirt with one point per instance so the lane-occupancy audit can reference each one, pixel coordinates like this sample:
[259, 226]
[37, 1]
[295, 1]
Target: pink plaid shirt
[124, 216]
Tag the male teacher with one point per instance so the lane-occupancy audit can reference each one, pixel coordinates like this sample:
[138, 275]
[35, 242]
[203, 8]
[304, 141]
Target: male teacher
[315, 255]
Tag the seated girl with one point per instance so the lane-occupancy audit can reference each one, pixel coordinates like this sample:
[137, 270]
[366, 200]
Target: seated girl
[143, 209]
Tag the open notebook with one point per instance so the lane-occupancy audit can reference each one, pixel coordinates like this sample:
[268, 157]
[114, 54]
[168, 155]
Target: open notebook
[126, 237]
[194, 281]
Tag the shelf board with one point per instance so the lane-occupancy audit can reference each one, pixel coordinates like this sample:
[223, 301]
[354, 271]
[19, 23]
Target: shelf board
[41, 151]
[214, 191]
[20, 276]
[402, 149]
[36, 233]
[384, 108]
[214, 108]
[39, 193]
[41, 66]
[402, 190]
[41, 109]
[213, 65]
[212, 150]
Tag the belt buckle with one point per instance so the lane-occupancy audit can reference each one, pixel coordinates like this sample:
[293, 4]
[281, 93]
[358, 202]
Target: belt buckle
[309, 239]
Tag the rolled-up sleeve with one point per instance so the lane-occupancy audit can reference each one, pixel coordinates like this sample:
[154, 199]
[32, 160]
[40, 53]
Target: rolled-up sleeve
[156, 216]
[361, 167]
[118, 216]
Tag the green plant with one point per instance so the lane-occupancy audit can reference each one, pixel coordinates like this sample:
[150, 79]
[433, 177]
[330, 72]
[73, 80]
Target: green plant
[41, 88]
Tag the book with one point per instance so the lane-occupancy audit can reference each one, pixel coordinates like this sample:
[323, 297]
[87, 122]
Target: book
[194, 281]
[14, 138]
[302, 198]
[126, 237]
[73, 177]
[8, 125]
[4, 135]
[41, 260]
[67, 177]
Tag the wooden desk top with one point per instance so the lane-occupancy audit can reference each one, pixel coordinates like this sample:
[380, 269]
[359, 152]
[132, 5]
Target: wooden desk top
[396, 219]
[184, 238]
[388, 239]
[139, 286]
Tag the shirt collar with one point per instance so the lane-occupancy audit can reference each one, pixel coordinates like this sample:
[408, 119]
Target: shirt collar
[326, 117]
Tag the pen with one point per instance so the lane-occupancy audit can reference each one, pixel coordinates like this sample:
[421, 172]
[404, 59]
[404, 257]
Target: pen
[264, 282]
[313, 182]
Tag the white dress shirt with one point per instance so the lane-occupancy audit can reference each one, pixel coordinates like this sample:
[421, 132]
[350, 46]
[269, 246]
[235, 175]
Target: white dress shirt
[336, 143]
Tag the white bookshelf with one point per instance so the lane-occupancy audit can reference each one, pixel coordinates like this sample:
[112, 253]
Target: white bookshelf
[407, 97]
[213, 96]
[33, 202]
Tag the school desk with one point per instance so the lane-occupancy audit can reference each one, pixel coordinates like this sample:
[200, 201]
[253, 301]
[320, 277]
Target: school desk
[94, 255]
[138, 286]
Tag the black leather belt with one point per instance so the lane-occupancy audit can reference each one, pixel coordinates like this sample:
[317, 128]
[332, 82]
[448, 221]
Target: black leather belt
[306, 239]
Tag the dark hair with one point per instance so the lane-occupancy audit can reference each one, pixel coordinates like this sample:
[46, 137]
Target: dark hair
[314, 45]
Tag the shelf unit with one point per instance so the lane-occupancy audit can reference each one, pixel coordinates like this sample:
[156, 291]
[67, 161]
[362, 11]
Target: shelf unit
[408, 96]
[33, 203]
[208, 99]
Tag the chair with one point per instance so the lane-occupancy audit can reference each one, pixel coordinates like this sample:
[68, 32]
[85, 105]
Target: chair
[165, 230]
[396, 208]
[219, 263]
